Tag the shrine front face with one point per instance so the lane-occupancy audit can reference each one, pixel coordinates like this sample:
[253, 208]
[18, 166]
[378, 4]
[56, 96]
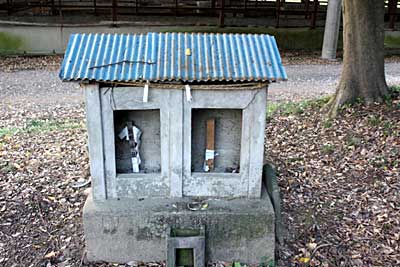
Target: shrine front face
[176, 126]
[208, 146]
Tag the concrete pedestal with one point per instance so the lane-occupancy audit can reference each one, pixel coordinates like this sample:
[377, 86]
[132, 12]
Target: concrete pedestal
[125, 230]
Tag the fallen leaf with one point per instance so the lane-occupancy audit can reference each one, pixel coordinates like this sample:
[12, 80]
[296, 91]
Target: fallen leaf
[50, 255]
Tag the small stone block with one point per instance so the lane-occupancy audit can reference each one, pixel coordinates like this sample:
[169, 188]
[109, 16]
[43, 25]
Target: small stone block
[123, 230]
[186, 239]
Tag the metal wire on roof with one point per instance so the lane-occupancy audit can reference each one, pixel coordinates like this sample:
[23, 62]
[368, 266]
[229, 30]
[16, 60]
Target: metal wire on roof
[187, 57]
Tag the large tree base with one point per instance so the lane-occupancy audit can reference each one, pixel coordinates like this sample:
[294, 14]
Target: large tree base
[363, 74]
[348, 94]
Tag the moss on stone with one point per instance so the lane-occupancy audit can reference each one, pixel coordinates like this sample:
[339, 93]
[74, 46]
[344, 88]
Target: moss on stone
[184, 257]
[392, 41]
[10, 43]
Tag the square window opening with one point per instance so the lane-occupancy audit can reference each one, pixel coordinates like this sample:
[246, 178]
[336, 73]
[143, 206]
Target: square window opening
[129, 157]
[216, 140]
[184, 257]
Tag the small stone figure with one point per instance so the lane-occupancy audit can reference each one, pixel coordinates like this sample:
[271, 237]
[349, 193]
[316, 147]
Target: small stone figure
[132, 134]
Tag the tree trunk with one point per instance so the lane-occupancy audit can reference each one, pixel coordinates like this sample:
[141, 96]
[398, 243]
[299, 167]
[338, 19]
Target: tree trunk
[363, 74]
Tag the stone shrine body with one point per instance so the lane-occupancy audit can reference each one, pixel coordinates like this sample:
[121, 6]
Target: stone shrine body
[176, 143]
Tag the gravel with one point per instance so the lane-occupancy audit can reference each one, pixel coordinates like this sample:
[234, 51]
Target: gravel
[38, 86]
[305, 82]
[310, 81]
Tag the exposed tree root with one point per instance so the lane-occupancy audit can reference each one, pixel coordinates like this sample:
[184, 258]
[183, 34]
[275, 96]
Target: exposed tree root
[363, 74]
[346, 94]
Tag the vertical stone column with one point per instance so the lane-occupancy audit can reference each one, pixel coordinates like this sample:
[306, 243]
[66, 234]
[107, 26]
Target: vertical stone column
[95, 140]
[332, 26]
[175, 141]
[255, 116]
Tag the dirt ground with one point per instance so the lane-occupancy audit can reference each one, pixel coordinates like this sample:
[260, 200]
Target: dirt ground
[339, 179]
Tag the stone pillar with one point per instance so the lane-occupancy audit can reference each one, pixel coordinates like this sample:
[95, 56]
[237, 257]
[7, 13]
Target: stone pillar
[332, 26]
[94, 124]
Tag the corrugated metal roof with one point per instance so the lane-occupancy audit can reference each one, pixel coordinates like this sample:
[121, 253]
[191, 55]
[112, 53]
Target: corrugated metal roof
[172, 57]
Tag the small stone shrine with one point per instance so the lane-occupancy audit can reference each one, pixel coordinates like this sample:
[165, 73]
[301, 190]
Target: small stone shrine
[176, 127]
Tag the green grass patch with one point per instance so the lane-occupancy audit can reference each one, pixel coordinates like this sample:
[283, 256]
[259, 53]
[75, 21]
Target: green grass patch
[8, 131]
[6, 167]
[296, 108]
[328, 148]
[392, 41]
[328, 123]
[266, 262]
[353, 141]
[394, 93]
[395, 89]
[374, 121]
[40, 126]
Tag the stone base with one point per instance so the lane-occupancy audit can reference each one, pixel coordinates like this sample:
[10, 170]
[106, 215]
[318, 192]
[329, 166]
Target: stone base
[125, 230]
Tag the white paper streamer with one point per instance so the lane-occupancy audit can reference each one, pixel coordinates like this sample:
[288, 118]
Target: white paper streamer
[188, 93]
[135, 164]
[146, 93]
[210, 154]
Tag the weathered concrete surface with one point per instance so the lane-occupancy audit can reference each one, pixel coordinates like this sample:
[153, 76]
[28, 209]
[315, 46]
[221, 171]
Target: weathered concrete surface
[121, 231]
[172, 127]
[95, 141]
[332, 28]
[42, 38]
[45, 39]
[186, 247]
[270, 181]
[166, 152]
[247, 183]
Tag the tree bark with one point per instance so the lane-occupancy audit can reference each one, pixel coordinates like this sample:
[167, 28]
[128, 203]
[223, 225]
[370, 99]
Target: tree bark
[363, 74]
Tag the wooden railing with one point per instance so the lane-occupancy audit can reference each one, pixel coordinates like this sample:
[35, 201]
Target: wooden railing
[309, 10]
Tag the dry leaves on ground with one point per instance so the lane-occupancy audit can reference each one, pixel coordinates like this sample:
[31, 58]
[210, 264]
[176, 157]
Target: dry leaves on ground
[41, 155]
[340, 181]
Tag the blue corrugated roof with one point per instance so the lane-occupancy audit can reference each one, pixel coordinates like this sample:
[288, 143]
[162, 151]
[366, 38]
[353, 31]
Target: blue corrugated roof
[172, 57]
